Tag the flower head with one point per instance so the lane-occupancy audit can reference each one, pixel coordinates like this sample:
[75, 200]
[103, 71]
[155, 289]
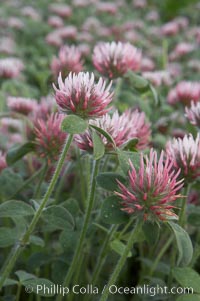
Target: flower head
[151, 189]
[181, 49]
[21, 105]
[170, 29]
[7, 45]
[115, 59]
[61, 10]
[193, 113]
[69, 60]
[136, 120]
[3, 163]
[15, 23]
[107, 7]
[131, 124]
[55, 21]
[49, 137]
[30, 12]
[116, 126]
[10, 67]
[184, 92]
[158, 78]
[194, 197]
[80, 95]
[185, 154]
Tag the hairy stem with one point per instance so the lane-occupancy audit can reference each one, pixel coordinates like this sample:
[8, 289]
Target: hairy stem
[79, 246]
[15, 252]
[121, 261]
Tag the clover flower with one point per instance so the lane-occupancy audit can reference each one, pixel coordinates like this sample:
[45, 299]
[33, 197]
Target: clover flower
[21, 105]
[170, 29]
[116, 126]
[31, 12]
[49, 138]
[185, 154]
[55, 21]
[158, 78]
[130, 125]
[193, 113]
[69, 60]
[137, 121]
[81, 95]
[115, 59]
[106, 7]
[3, 163]
[15, 23]
[10, 67]
[184, 92]
[7, 45]
[151, 189]
[62, 10]
[53, 39]
[181, 49]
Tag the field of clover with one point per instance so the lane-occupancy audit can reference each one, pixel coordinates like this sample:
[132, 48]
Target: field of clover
[99, 150]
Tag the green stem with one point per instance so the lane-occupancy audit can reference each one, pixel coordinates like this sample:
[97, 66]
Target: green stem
[125, 228]
[121, 261]
[102, 255]
[172, 264]
[105, 163]
[182, 217]
[160, 255]
[38, 188]
[77, 276]
[165, 54]
[19, 287]
[182, 220]
[15, 252]
[62, 181]
[82, 177]
[79, 247]
[118, 88]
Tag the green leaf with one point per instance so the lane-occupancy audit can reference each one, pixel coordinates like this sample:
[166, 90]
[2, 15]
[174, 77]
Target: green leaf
[35, 240]
[16, 153]
[39, 286]
[184, 244]
[72, 206]
[68, 239]
[151, 232]
[8, 236]
[15, 209]
[190, 297]
[9, 282]
[136, 81]
[98, 146]
[130, 145]
[118, 246]
[187, 277]
[38, 259]
[9, 183]
[124, 157]
[104, 133]
[23, 276]
[161, 267]
[58, 270]
[111, 212]
[59, 217]
[155, 95]
[74, 124]
[108, 180]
